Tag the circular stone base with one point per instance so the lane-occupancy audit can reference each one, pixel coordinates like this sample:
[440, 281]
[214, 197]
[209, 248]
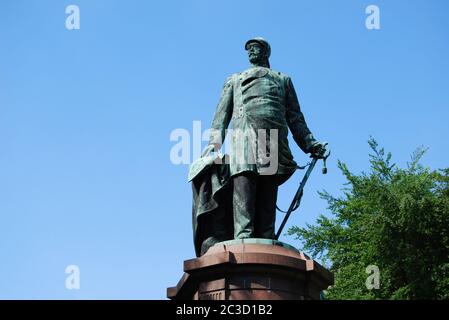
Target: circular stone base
[251, 269]
[256, 241]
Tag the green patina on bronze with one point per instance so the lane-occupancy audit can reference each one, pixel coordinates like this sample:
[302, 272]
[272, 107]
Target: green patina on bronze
[257, 98]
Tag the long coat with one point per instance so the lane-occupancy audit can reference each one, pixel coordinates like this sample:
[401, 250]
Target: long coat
[260, 99]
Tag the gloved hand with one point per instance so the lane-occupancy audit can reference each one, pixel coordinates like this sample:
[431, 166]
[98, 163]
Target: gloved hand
[318, 150]
[209, 149]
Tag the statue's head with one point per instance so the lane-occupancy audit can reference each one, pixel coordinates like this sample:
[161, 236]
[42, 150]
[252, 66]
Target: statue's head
[259, 51]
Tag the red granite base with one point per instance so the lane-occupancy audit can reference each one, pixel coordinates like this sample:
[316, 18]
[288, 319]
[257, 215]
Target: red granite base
[251, 272]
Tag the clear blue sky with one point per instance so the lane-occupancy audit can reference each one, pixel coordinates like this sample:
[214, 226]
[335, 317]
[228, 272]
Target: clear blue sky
[86, 116]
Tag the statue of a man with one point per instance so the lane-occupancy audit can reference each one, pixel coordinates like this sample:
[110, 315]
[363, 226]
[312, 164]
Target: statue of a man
[256, 99]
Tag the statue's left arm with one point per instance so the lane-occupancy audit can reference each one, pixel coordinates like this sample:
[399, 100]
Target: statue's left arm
[295, 120]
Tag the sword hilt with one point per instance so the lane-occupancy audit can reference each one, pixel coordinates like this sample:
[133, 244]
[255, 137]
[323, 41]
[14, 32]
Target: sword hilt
[326, 155]
[324, 170]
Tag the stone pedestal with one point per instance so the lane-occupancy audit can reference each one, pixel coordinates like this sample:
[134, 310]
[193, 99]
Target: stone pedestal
[251, 269]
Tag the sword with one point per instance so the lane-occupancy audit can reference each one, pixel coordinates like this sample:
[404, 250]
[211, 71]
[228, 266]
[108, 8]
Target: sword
[297, 199]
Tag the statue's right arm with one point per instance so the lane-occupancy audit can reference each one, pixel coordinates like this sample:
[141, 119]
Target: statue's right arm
[223, 115]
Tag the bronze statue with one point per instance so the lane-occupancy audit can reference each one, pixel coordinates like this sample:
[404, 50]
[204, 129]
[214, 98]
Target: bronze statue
[237, 199]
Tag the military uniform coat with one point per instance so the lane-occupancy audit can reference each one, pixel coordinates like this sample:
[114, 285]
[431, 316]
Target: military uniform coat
[260, 98]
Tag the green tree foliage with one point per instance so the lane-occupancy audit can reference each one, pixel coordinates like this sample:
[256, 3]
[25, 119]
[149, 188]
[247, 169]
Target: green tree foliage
[396, 219]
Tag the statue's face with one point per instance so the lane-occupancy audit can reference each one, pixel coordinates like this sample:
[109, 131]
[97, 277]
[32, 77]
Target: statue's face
[256, 53]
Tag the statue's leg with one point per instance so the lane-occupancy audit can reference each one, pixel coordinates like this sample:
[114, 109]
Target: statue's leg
[267, 190]
[244, 204]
